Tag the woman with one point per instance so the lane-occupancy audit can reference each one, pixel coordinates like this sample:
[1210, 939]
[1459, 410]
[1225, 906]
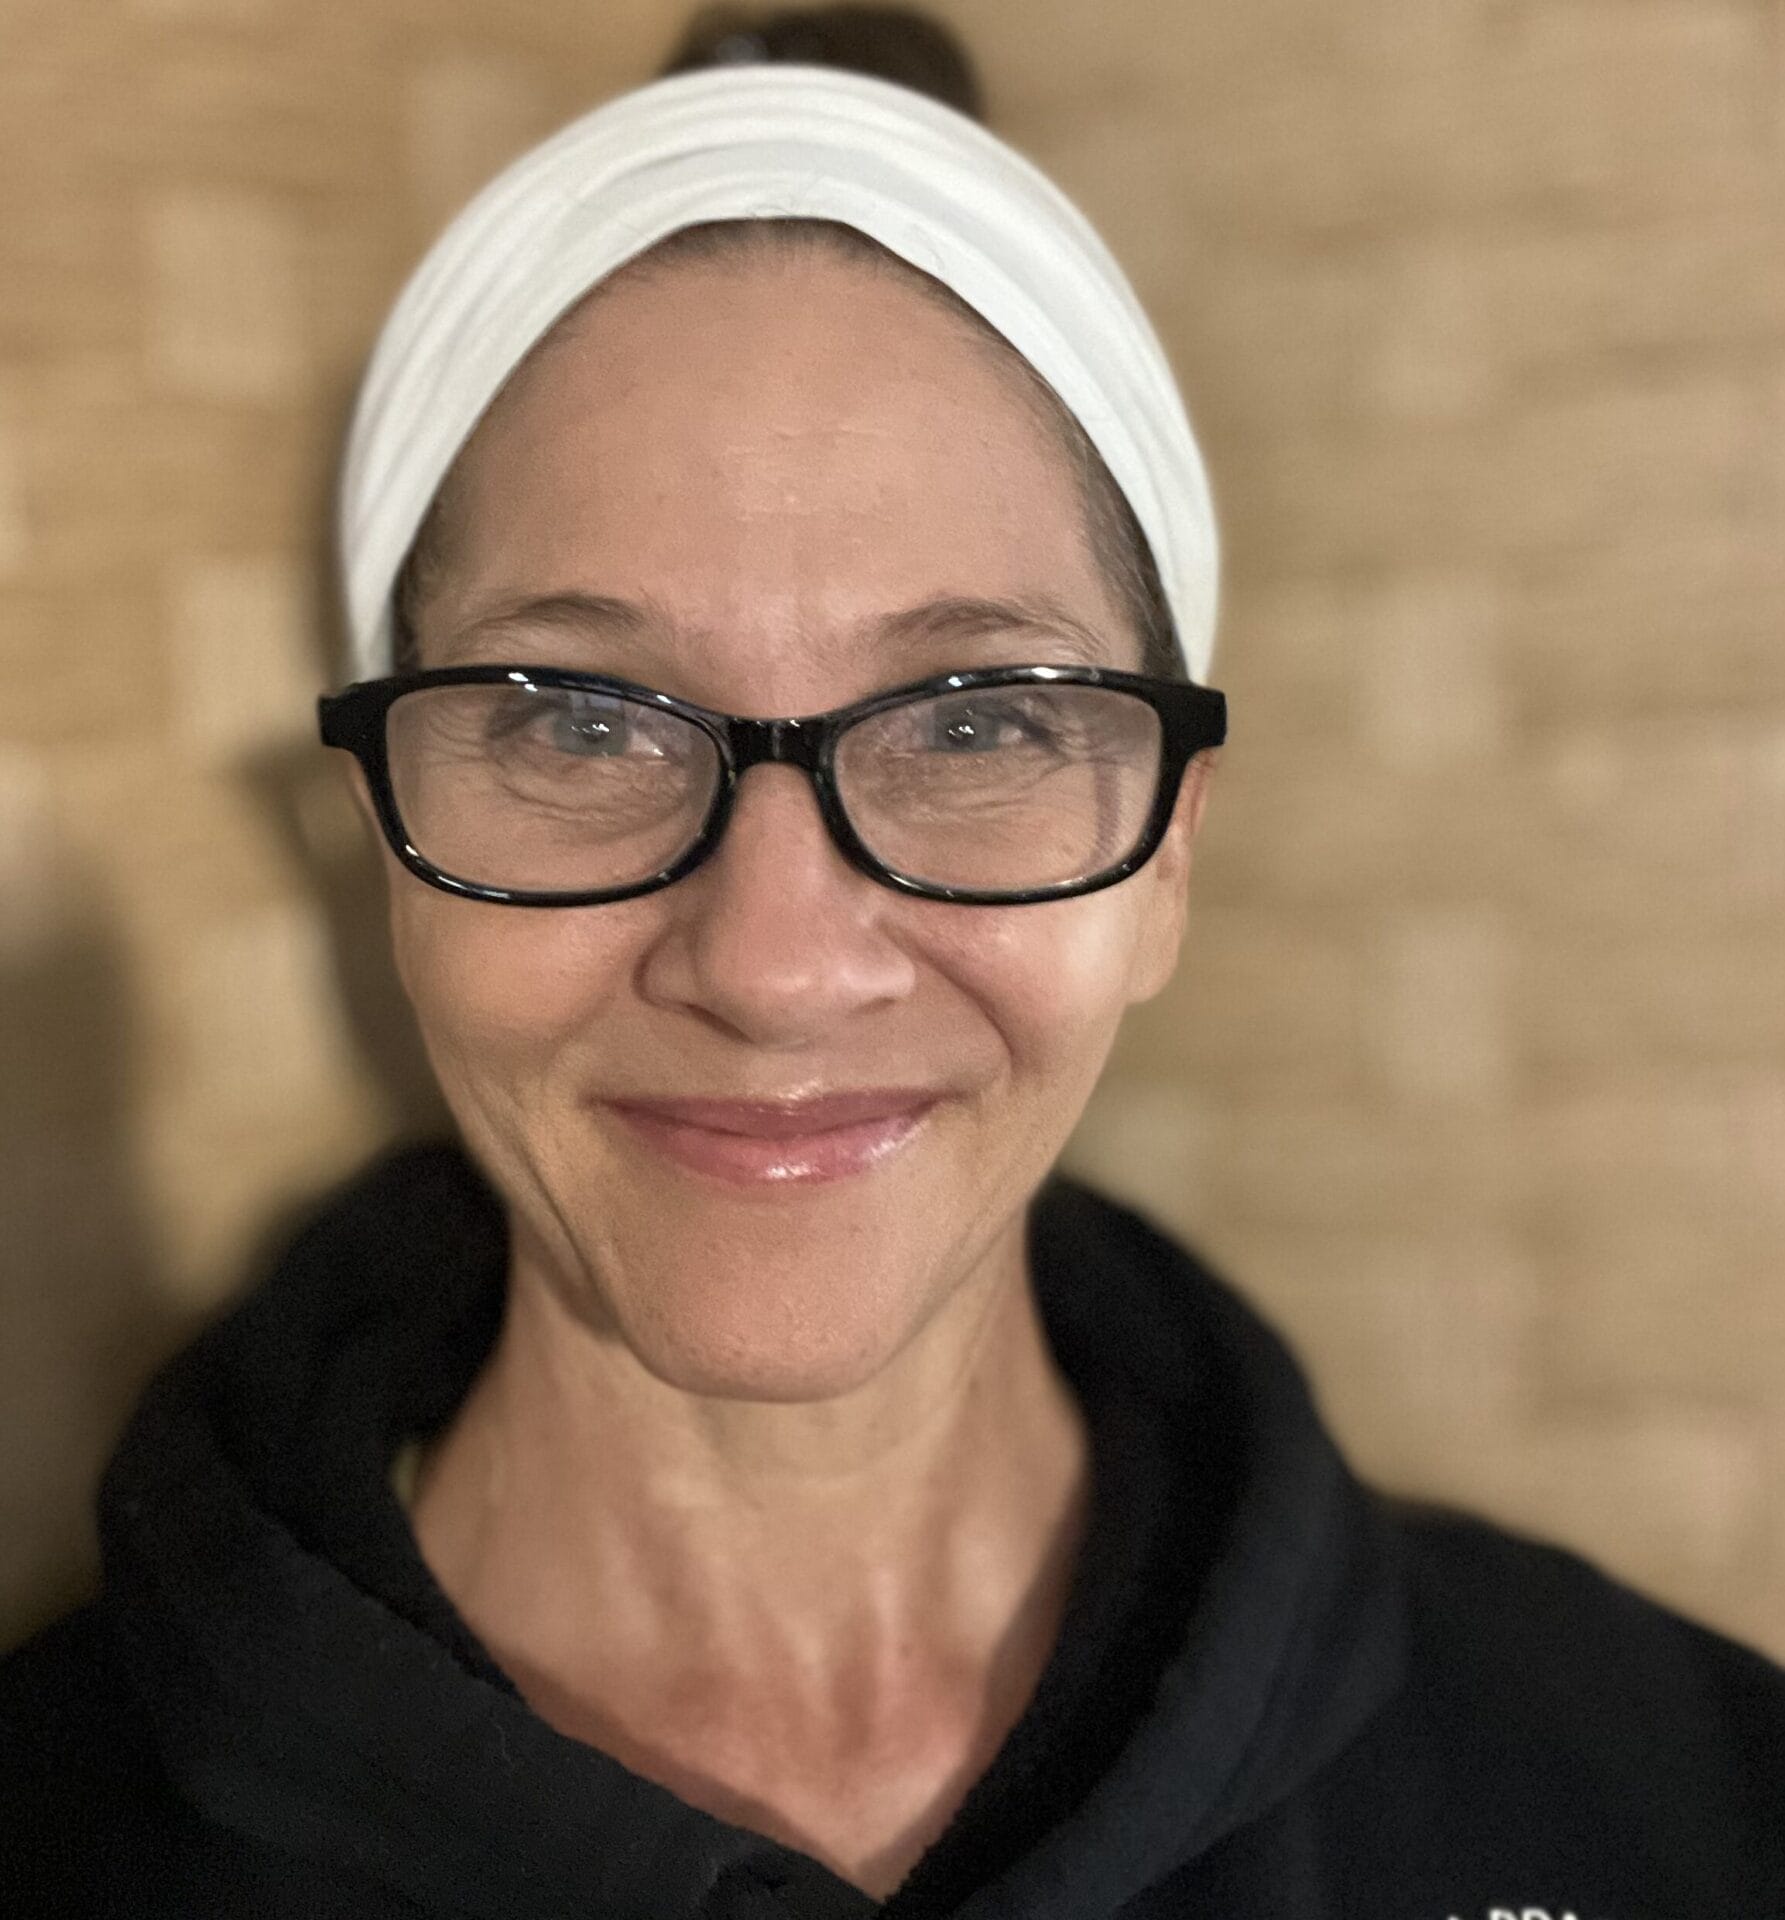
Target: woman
[780, 582]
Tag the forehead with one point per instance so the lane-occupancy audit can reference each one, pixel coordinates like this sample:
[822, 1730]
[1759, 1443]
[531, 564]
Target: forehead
[761, 447]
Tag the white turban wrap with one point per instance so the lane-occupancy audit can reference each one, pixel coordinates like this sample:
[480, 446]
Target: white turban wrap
[766, 142]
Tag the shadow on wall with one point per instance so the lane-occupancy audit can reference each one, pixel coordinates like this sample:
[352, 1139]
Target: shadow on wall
[85, 1317]
[302, 788]
[86, 1313]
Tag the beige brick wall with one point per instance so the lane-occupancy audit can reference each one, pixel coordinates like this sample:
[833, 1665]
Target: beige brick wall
[1474, 1074]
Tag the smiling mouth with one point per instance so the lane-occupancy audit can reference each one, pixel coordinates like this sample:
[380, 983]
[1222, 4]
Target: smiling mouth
[750, 1142]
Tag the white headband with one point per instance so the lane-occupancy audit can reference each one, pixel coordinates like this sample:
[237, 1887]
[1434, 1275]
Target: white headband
[761, 142]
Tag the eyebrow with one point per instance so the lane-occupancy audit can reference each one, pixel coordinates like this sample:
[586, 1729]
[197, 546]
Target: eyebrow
[969, 617]
[940, 621]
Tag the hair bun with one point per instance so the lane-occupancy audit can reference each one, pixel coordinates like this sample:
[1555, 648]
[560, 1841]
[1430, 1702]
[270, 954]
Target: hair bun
[889, 43]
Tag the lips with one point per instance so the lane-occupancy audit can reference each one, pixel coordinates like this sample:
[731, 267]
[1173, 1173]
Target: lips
[819, 1137]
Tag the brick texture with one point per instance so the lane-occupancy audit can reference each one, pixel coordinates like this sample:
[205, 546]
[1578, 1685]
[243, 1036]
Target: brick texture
[1474, 1072]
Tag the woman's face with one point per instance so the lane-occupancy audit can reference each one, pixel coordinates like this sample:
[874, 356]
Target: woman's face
[768, 457]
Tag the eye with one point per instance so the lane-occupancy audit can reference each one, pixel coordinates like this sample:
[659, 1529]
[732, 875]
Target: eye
[580, 725]
[985, 723]
[590, 726]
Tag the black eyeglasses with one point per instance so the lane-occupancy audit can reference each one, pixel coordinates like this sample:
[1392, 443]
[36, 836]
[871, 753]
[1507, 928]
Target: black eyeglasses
[538, 787]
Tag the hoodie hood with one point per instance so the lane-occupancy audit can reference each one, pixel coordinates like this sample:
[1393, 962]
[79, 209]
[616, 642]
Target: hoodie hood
[291, 1703]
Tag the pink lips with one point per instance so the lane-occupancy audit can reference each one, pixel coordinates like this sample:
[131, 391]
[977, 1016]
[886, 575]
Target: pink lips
[749, 1141]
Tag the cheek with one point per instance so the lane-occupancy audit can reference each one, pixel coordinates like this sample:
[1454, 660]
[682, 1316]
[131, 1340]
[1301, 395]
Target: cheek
[497, 988]
[1054, 979]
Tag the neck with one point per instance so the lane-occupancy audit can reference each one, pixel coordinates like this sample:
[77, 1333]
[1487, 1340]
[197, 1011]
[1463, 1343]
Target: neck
[878, 1575]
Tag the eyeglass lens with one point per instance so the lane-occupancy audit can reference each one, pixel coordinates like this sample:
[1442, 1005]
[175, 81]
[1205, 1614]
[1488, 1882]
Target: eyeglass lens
[550, 790]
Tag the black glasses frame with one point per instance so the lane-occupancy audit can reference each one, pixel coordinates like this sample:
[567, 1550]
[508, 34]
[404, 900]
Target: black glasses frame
[1192, 718]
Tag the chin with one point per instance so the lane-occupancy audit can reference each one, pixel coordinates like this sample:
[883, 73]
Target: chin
[768, 1379]
[782, 1324]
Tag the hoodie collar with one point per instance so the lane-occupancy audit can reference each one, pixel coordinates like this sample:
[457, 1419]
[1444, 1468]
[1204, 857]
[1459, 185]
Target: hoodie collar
[290, 1703]
[1297, 1637]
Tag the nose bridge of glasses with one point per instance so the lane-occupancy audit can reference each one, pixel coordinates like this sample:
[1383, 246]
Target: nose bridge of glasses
[795, 745]
[788, 743]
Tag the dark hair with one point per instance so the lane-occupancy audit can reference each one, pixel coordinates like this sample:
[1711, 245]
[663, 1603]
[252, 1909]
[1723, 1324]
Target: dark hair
[904, 46]
[890, 43]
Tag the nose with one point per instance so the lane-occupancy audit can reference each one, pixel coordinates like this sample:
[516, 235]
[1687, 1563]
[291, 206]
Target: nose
[776, 937]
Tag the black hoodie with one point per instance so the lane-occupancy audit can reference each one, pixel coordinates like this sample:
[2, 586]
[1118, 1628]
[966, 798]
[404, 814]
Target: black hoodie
[1276, 1696]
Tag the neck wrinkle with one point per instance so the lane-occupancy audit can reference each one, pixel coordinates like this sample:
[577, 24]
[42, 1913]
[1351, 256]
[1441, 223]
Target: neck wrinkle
[575, 1503]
